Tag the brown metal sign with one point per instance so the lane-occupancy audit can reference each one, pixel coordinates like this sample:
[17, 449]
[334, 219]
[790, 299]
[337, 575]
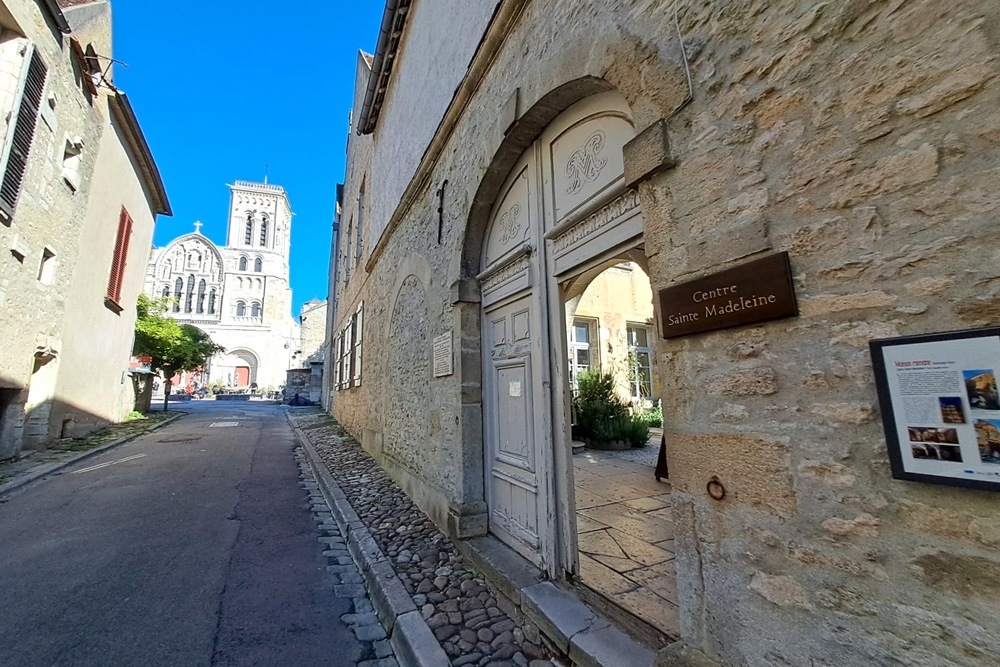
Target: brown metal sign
[754, 292]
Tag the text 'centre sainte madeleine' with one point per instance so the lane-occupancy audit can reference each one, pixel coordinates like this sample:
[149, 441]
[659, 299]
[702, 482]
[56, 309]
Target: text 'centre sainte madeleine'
[736, 303]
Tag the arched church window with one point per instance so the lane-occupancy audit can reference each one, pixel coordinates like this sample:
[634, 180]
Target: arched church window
[258, 265]
[178, 290]
[243, 263]
[248, 233]
[211, 302]
[201, 297]
[255, 310]
[166, 292]
[189, 298]
[241, 309]
[263, 231]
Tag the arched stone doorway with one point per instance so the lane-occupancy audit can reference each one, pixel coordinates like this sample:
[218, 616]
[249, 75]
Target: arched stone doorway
[562, 211]
[235, 368]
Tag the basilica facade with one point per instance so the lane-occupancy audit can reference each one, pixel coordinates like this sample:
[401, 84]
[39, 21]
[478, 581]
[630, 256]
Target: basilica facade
[237, 293]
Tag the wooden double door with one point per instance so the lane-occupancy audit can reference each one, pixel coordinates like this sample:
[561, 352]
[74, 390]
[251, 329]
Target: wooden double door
[562, 207]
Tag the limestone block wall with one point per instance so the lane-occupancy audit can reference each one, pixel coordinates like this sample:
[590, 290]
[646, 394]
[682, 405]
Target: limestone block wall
[861, 138]
[312, 321]
[48, 218]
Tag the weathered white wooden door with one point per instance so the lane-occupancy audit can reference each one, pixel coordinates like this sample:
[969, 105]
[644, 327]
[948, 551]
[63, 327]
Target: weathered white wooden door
[511, 439]
[515, 438]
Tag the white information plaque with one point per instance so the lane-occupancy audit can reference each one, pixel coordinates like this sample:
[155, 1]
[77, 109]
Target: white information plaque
[443, 355]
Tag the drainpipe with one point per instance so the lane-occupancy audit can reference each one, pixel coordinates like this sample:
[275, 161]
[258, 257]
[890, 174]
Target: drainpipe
[384, 33]
[331, 304]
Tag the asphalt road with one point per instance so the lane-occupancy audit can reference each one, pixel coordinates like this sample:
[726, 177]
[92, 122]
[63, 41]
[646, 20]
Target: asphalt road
[193, 545]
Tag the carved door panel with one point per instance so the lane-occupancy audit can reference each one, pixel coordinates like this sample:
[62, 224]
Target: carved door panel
[511, 445]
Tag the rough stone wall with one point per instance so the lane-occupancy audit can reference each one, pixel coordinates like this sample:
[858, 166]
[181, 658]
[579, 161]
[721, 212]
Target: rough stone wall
[862, 138]
[50, 214]
[312, 321]
[349, 285]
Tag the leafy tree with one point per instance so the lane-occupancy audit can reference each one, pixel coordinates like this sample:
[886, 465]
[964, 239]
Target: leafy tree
[173, 347]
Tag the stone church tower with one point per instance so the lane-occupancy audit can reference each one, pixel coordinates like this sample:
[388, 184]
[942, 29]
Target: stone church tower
[239, 293]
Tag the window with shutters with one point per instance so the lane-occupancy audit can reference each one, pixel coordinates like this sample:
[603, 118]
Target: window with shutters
[116, 278]
[26, 117]
[263, 231]
[343, 358]
[338, 347]
[248, 232]
[358, 324]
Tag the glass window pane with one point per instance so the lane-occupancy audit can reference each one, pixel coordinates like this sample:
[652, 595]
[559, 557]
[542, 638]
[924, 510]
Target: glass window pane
[581, 333]
[583, 358]
[641, 339]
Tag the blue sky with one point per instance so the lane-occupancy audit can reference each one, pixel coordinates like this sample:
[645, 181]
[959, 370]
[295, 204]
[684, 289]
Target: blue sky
[220, 89]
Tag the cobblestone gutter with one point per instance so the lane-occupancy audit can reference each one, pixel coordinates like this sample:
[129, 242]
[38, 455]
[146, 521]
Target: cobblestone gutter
[455, 603]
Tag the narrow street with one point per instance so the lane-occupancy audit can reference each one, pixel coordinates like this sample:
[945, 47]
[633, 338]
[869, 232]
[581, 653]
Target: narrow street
[196, 544]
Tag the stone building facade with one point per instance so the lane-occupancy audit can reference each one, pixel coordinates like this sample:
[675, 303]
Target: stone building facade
[558, 138]
[237, 293]
[80, 195]
[312, 323]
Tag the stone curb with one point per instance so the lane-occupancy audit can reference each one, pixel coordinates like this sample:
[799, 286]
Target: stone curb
[412, 639]
[51, 468]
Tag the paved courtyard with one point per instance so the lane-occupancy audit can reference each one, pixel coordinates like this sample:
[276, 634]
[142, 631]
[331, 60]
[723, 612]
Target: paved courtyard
[625, 533]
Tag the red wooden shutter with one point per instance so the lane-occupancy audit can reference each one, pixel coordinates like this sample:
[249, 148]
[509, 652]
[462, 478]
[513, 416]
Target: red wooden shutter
[121, 253]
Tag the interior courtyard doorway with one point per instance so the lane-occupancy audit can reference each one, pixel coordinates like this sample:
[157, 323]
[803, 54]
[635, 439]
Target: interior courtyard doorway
[624, 528]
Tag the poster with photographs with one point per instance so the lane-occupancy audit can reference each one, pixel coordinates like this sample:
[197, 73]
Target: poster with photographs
[940, 406]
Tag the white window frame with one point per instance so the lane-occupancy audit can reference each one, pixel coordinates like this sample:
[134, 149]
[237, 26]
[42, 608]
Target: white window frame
[593, 331]
[634, 350]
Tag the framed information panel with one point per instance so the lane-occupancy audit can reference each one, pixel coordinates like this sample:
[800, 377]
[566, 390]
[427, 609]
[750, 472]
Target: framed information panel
[940, 406]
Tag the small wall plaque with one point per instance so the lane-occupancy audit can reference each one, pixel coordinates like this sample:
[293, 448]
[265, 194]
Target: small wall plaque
[940, 406]
[443, 355]
[757, 291]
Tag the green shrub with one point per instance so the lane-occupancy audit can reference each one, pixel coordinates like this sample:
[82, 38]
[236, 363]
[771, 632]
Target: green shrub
[652, 418]
[635, 432]
[601, 416]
